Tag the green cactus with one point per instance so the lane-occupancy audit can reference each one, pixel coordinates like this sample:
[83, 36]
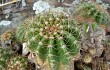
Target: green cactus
[17, 63]
[22, 29]
[92, 12]
[8, 35]
[91, 15]
[5, 55]
[52, 37]
[0, 1]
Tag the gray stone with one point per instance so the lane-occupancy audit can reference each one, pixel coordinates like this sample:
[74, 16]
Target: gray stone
[5, 23]
[6, 43]
[15, 20]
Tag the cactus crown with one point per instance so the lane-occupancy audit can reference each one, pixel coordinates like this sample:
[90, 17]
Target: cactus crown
[5, 55]
[91, 12]
[53, 38]
[17, 63]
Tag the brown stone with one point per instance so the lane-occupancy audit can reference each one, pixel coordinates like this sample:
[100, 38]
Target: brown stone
[106, 1]
[108, 28]
[107, 53]
[99, 64]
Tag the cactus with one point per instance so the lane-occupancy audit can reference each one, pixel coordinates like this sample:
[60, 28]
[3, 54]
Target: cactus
[52, 37]
[91, 15]
[21, 31]
[5, 55]
[91, 12]
[7, 37]
[17, 63]
[9, 34]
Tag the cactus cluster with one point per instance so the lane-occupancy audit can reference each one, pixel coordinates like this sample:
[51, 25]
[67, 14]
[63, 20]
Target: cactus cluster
[91, 12]
[17, 63]
[5, 55]
[52, 37]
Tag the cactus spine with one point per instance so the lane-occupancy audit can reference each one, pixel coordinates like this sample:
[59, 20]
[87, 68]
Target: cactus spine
[52, 37]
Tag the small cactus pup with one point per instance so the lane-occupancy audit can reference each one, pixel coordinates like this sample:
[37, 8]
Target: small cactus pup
[7, 37]
[17, 63]
[53, 38]
[5, 55]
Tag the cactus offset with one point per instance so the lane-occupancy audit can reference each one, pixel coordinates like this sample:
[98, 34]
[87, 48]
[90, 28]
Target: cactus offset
[7, 38]
[17, 63]
[5, 55]
[91, 12]
[9, 34]
[52, 37]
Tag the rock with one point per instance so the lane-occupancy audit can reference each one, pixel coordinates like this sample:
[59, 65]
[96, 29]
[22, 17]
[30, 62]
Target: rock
[98, 42]
[108, 38]
[99, 51]
[84, 46]
[17, 48]
[108, 10]
[33, 66]
[71, 66]
[99, 37]
[108, 28]
[23, 3]
[25, 49]
[6, 43]
[99, 64]
[5, 23]
[11, 22]
[31, 1]
[107, 53]
[40, 6]
[106, 1]
[16, 20]
[7, 11]
[60, 3]
[68, 1]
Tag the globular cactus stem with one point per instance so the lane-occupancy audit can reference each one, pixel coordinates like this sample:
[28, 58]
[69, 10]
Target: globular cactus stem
[52, 37]
[17, 63]
[7, 37]
[5, 55]
[91, 12]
